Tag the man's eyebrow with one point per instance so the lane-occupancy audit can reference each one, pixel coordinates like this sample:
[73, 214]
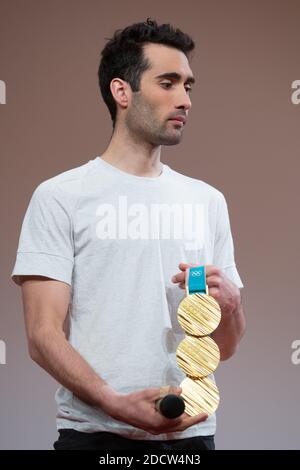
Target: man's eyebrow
[176, 76]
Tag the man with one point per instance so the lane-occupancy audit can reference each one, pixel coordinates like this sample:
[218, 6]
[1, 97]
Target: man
[100, 249]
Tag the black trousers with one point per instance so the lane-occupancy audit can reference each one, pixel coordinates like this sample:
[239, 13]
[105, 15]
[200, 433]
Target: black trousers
[69, 439]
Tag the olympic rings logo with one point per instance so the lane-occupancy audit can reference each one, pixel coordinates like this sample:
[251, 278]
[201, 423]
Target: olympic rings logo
[196, 273]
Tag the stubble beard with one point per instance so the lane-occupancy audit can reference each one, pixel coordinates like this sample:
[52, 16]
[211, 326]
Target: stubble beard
[142, 125]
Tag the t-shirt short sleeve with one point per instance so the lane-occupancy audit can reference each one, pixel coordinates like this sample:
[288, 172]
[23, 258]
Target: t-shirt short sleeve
[224, 248]
[46, 241]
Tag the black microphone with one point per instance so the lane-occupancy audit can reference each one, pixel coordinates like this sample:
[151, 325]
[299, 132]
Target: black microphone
[170, 406]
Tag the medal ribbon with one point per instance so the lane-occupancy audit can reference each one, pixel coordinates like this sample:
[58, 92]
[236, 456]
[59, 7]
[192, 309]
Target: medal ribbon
[196, 282]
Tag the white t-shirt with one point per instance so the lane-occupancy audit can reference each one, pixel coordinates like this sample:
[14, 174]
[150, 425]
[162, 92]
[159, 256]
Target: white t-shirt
[117, 239]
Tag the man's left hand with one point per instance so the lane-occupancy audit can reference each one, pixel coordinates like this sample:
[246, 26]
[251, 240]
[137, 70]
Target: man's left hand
[222, 289]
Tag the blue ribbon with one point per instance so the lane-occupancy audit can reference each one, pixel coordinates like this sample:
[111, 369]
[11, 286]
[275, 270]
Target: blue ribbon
[197, 280]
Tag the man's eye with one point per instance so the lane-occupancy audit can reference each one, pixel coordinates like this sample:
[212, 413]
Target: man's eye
[168, 85]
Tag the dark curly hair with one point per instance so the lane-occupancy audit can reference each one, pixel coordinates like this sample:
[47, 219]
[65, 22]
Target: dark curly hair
[123, 55]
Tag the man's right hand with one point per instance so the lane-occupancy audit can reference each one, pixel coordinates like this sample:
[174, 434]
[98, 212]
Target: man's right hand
[138, 410]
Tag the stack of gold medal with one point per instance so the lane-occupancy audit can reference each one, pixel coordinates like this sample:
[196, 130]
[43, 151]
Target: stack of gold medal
[198, 355]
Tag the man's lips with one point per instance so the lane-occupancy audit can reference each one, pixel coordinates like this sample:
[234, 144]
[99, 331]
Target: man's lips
[181, 119]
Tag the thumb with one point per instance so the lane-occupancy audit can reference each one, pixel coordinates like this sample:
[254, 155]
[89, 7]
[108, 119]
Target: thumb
[174, 391]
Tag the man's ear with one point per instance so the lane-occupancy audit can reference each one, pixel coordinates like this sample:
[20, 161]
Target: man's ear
[121, 92]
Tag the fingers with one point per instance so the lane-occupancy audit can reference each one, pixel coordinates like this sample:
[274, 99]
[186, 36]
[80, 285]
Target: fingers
[180, 277]
[184, 266]
[209, 268]
[174, 390]
[154, 394]
[191, 420]
[187, 421]
[183, 422]
[213, 274]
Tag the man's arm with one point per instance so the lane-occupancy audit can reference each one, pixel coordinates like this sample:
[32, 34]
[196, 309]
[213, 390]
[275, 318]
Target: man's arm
[46, 303]
[230, 331]
[232, 325]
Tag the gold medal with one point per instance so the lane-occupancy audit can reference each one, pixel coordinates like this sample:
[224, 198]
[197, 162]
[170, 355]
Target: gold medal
[200, 396]
[199, 314]
[198, 357]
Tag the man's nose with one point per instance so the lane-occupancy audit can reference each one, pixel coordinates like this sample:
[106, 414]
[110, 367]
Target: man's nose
[184, 101]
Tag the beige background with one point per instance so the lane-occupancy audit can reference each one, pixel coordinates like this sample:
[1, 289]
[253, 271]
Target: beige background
[242, 137]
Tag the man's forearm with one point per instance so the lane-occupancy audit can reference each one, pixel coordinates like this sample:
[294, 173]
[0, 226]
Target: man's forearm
[51, 350]
[229, 332]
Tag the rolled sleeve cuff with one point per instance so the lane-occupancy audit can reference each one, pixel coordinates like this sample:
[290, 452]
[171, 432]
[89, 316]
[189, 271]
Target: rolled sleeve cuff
[232, 273]
[42, 264]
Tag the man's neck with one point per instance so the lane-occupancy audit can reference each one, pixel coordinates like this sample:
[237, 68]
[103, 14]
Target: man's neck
[136, 157]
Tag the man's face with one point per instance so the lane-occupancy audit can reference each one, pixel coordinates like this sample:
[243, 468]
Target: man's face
[163, 95]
